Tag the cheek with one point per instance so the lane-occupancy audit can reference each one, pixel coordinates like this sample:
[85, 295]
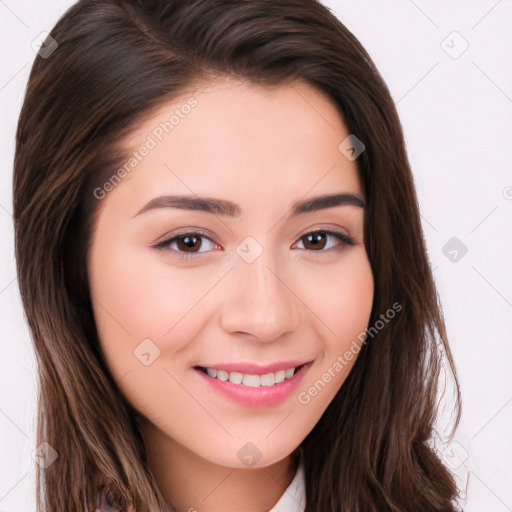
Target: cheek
[143, 311]
[343, 309]
[344, 300]
[136, 297]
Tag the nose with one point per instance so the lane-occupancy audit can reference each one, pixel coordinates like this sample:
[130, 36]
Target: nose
[260, 300]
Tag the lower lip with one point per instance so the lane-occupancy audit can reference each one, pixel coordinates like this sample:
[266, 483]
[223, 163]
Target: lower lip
[262, 396]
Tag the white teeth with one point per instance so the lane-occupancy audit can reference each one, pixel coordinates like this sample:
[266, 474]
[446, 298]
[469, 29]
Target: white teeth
[250, 380]
[222, 375]
[235, 377]
[279, 377]
[267, 379]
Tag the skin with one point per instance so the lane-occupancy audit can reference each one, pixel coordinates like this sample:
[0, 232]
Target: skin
[263, 149]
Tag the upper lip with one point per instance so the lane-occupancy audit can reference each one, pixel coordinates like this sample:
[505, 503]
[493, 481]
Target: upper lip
[251, 368]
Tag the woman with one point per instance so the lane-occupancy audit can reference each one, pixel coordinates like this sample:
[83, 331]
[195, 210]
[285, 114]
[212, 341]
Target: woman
[291, 361]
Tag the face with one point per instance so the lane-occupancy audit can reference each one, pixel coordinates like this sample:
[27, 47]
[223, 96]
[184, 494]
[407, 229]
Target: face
[225, 309]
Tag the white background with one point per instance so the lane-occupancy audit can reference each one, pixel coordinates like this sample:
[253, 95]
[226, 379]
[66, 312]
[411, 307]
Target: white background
[457, 117]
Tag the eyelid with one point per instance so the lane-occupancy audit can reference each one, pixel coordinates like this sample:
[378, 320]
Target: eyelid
[166, 239]
[342, 237]
[329, 229]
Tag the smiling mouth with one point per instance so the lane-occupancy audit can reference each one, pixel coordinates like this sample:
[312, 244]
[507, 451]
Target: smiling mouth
[252, 380]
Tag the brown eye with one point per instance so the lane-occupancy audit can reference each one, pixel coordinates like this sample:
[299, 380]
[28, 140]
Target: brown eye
[316, 241]
[188, 243]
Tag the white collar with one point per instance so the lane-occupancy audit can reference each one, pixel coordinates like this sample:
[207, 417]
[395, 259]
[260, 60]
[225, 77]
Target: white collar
[294, 497]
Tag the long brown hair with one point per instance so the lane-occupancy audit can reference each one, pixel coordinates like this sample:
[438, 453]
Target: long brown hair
[116, 62]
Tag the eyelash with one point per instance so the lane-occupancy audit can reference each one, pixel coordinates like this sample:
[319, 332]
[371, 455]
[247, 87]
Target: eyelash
[181, 254]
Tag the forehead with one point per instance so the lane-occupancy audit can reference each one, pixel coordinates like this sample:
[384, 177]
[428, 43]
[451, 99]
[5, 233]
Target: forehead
[228, 136]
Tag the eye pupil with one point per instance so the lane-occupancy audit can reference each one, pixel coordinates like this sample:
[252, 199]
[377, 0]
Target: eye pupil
[316, 240]
[188, 242]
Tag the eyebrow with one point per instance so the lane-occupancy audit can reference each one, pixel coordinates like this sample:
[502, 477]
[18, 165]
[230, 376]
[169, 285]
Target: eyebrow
[229, 209]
